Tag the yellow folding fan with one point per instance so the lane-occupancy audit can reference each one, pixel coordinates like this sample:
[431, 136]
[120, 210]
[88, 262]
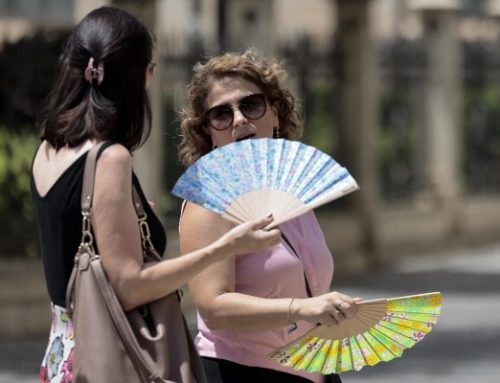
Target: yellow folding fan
[380, 331]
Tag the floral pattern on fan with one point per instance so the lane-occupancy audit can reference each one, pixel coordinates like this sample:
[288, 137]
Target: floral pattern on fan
[248, 179]
[381, 331]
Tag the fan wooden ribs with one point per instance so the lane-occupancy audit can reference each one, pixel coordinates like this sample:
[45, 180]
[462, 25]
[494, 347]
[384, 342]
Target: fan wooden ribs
[369, 314]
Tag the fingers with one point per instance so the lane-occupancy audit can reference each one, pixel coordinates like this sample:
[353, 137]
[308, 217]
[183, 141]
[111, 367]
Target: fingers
[335, 316]
[263, 222]
[322, 309]
[348, 307]
[339, 307]
[250, 237]
[273, 236]
[343, 298]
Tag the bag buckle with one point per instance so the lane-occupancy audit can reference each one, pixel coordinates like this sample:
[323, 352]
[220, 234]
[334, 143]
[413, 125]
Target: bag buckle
[87, 237]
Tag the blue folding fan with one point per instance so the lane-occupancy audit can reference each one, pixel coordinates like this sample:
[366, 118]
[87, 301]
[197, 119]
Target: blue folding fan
[249, 179]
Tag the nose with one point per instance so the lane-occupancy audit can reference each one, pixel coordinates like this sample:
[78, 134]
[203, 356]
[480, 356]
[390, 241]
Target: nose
[238, 118]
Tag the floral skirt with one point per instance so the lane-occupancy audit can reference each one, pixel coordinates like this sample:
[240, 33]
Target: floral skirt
[58, 360]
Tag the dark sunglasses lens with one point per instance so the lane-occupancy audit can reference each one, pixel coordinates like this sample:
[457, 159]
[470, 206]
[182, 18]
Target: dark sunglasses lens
[253, 106]
[220, 117]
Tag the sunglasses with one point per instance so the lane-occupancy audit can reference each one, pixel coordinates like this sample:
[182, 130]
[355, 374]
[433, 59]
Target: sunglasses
[221, 117]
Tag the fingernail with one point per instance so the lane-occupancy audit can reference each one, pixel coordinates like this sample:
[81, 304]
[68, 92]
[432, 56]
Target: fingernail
[270, 215]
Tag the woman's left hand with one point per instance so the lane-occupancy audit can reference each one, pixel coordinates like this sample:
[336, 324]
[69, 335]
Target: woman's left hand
[331, 308]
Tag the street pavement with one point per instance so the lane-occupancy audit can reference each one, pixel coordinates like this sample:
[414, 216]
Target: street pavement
[464, 346]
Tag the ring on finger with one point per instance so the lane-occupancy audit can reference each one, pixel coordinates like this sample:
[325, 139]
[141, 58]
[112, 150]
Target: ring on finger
[335, 316]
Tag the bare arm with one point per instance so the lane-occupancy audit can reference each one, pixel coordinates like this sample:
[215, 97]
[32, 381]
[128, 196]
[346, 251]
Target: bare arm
[221, 307]
[118, 238]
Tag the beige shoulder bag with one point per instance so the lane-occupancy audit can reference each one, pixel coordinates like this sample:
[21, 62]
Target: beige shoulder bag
[148, 344]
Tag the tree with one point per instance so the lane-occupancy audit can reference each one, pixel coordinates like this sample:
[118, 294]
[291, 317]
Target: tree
[27, 68]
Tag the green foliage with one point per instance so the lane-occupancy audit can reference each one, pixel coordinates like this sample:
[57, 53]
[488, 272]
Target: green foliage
[319, 130]
[18, 235]
[27, 67]
[482, 138]
[397, 144]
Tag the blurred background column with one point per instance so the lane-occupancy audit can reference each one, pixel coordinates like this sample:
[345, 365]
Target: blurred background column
[149, 160]
[492, 8]
[358, 98]
[442, 103]
[244, 23]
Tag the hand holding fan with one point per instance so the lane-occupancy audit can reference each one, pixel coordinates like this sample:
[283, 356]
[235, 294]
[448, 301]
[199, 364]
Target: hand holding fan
[249, 179]
[380, 331]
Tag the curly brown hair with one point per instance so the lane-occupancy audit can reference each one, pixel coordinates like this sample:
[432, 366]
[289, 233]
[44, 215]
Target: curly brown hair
[268, 75]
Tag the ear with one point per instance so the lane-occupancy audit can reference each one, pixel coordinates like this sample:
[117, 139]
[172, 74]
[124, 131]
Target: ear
[206, 129]
[276, 120]
[148, 77]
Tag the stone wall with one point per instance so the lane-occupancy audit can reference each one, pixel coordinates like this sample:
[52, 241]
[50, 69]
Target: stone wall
[24, 302]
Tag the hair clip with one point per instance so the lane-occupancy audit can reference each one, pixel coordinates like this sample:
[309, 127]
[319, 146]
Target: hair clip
[92, 73]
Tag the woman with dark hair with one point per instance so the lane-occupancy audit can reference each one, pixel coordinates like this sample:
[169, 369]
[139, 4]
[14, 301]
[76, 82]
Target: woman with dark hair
[100, 95]
[250, 306]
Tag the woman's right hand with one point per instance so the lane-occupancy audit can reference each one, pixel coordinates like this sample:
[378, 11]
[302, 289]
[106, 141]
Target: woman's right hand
[250, 237]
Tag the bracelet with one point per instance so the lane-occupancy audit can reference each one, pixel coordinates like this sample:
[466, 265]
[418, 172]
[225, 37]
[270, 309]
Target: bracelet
[293, 325]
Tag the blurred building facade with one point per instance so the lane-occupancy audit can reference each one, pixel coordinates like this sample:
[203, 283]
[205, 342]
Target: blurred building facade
[404, 93]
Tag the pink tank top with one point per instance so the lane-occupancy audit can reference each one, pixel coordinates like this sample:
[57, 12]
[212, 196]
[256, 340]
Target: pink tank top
[274, 273]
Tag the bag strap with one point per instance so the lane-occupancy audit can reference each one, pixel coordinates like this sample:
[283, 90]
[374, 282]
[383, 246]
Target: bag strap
[142, 361]
[142, 217]
[86, 207]
[89, 178]
[308, 289]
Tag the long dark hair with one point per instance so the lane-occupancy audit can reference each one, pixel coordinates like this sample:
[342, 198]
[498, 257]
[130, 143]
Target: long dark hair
[117, 108]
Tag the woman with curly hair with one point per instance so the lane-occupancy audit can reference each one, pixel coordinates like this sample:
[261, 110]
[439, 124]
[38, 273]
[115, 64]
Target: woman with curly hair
[250, 305]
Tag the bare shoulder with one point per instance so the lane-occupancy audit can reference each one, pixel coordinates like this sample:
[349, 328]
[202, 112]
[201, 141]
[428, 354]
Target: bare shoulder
[199, 216]
[113, 174]
[116, 155]
[41, 156]
[200, 226]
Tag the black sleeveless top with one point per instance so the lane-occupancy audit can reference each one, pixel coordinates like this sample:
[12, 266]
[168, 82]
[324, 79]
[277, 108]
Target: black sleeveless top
[59, 222]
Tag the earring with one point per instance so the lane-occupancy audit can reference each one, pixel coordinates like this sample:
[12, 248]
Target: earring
[276, 132]
[214, 146]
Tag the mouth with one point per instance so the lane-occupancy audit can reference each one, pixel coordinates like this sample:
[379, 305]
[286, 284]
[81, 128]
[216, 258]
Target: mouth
[252, 135]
